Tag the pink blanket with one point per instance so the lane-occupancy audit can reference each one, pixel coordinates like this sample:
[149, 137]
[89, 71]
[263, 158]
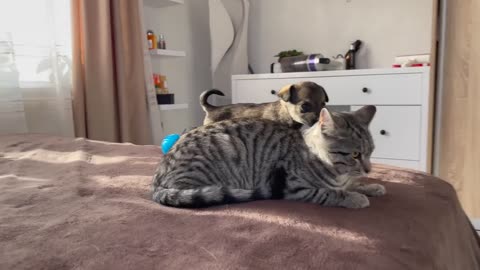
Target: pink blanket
[80, 204]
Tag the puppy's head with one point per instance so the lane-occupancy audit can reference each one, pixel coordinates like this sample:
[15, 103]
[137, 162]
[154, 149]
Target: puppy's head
[304, 101]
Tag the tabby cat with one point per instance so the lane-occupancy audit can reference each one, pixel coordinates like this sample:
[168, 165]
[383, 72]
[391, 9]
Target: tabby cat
[243, 160]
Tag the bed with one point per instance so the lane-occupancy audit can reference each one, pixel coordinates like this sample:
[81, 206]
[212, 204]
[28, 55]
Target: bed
[80, 204]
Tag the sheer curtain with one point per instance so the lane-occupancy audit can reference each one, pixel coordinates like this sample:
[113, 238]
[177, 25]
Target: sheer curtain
[35, 67]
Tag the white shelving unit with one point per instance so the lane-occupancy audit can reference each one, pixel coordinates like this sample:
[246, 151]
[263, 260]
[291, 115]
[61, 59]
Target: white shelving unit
[164, 118]
[162, 3]
[169, 107]
[168, 53]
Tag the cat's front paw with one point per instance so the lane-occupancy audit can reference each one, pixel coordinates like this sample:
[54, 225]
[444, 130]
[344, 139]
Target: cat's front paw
[375, 190]
[355, 200]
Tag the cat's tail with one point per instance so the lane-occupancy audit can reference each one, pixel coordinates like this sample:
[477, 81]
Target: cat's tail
[204, 96]
[201, 197]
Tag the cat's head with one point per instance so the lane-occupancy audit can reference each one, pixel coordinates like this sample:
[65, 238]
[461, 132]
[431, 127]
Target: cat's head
[343, 140]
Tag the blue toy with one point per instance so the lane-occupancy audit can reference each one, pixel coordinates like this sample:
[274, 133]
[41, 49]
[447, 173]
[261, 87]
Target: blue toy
[168, 142]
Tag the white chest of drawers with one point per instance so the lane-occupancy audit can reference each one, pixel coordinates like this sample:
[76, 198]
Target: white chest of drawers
[401, 128]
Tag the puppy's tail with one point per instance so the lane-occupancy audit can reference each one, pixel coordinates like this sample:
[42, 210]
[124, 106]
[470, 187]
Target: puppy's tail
[204, 96]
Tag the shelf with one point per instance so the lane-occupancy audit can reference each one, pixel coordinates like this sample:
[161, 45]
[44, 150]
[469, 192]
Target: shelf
[162, 3]
[168, 107]
[172, 53]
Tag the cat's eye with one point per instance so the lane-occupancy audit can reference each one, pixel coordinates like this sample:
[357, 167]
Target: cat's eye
[306, 107]
[355, 154]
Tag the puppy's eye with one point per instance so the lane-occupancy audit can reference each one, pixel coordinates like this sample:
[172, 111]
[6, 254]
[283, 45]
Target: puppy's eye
[306, 107]
[356, 155]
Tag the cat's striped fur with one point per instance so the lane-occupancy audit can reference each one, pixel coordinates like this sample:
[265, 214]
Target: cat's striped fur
[245, 159]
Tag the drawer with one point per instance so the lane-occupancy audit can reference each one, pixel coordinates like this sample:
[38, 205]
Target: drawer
[256, 91]
[400, 89]
[396, 132]
[392, 89]
[409, 164]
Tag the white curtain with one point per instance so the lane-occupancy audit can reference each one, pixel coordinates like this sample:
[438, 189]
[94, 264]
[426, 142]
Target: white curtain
[35, 67]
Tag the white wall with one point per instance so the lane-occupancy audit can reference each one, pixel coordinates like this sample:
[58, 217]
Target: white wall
[185, 28]
[387, 27]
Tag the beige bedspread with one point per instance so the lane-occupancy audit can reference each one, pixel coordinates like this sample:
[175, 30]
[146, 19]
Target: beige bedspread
[79, 204]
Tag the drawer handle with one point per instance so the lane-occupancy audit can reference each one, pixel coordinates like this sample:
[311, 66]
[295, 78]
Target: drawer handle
[365, 90]
[273, 92]
[383, 132]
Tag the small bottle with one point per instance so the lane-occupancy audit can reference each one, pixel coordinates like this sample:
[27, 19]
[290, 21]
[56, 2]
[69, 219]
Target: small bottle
[161, 42]
[157, 81]
[350, 55]
[154, 42]
[150, 37]
[165, 85]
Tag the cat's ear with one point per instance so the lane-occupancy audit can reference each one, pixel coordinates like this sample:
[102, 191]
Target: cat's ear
[365, 114]
[286, 92]
[326, 119]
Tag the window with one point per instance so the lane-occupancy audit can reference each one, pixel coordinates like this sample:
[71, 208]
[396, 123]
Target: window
[35, 42]
[35, 67]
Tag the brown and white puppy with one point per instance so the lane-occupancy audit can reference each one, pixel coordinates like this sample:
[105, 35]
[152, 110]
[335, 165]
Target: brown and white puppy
[299, 104]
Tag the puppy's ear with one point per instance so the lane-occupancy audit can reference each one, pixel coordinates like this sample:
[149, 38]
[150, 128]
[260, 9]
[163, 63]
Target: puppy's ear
[325, 93]
[286, 92]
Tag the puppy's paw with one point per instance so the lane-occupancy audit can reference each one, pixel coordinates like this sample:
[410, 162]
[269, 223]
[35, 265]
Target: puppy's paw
[355, 200]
